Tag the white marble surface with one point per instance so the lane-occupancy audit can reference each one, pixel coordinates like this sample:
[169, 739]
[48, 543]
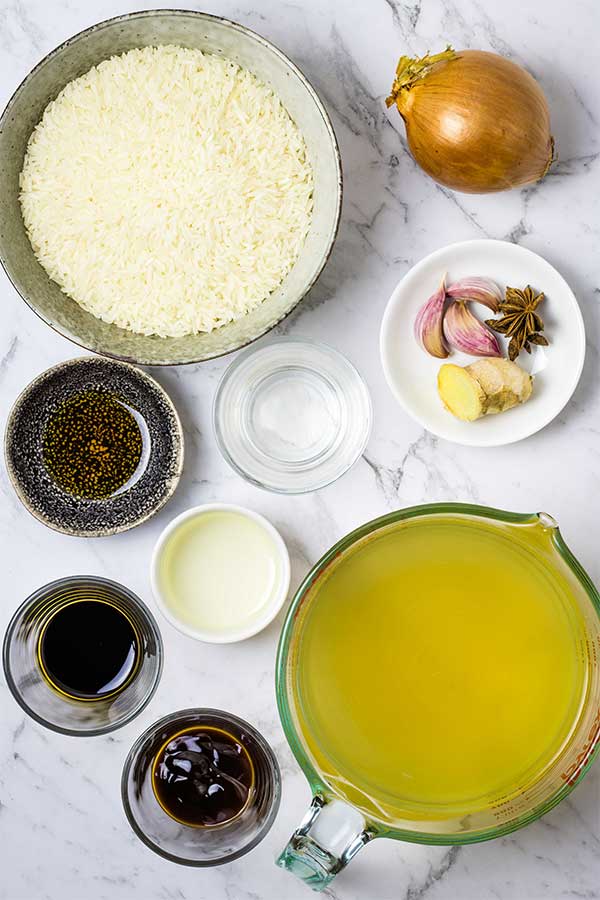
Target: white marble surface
[62, 831]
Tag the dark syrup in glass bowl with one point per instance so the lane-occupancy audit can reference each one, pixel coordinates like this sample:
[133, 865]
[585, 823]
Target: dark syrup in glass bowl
[89, 650]
[203, 777]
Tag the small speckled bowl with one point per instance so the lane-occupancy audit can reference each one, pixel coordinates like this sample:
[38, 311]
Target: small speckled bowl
[76, 56]
[159, 469]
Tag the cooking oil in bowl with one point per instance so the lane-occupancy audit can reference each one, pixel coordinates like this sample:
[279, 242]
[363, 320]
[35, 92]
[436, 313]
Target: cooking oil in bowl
[220, 573]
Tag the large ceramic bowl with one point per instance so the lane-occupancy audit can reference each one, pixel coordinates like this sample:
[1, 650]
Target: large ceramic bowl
[75, 57]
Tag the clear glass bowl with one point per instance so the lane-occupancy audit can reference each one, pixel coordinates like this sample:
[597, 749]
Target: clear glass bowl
[185, 844]
[292, 416]
[43, 702]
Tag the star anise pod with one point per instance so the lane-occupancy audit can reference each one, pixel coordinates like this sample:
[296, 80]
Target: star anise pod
[519, 320]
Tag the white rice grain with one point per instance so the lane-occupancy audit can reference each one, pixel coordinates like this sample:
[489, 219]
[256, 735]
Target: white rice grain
[167, 191]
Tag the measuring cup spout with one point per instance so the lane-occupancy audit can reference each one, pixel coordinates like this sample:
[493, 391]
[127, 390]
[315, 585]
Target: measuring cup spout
[329, 836]
[547, 521]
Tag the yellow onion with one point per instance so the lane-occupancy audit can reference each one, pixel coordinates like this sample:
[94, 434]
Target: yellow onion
[475, 122]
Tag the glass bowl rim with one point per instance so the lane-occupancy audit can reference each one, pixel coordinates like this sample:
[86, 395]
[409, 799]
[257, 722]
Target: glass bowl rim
[30, 602]
[260, 740]
[273, 342]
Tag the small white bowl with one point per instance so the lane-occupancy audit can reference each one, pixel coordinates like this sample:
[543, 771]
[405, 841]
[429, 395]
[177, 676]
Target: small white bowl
[412, 374]
[271, 608]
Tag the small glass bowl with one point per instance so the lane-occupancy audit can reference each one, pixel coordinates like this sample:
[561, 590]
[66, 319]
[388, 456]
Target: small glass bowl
[35, 694]
[292, 416]
[184, 844]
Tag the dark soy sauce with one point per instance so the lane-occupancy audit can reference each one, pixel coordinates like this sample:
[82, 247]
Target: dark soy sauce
[202, 777]
[89, 650]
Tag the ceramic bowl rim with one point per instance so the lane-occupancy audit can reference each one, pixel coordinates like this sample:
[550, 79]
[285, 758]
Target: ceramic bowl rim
[271, 610]
[30, 388]
[269, 46]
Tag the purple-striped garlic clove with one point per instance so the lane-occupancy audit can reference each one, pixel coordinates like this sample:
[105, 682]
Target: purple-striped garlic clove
[464, 332]
[478, 290]
[429, 330]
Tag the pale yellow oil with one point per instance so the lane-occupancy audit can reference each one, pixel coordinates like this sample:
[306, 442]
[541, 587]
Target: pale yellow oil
[218, 571]
[439, 667]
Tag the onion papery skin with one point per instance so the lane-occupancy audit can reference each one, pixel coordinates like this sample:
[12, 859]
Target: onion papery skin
[478, 123]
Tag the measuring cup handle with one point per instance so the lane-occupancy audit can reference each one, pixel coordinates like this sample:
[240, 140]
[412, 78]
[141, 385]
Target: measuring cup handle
[329, 836]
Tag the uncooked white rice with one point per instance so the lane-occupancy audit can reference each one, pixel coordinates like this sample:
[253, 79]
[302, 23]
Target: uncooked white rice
[167, 191]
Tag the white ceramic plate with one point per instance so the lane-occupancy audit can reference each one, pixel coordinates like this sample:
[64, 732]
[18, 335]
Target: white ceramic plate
[412, 374]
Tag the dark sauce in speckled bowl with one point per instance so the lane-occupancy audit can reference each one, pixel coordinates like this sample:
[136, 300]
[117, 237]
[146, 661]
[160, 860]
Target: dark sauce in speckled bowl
[162, 460]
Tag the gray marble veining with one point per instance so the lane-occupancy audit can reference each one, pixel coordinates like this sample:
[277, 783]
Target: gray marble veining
[62, 829]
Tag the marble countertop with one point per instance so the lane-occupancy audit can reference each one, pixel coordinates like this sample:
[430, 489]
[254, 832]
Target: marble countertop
[62, 829]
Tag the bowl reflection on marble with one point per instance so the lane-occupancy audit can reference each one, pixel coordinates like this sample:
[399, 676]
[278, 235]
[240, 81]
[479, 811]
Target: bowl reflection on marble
[75, 57]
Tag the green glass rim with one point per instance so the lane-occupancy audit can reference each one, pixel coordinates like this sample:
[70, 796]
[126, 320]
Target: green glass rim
[318, 786]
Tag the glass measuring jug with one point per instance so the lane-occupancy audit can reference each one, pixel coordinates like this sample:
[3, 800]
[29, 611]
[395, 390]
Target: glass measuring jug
[438, 681]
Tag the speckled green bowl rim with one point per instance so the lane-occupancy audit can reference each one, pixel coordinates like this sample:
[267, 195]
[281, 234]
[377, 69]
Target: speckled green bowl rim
[101, 532]
[319, 105]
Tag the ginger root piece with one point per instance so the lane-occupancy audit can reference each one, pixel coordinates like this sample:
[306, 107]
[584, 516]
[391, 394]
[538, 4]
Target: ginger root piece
[461, 393]
[485, 387]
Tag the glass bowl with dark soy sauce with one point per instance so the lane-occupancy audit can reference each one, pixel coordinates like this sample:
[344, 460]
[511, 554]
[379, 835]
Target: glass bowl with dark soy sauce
[83, 655]
[201, 787]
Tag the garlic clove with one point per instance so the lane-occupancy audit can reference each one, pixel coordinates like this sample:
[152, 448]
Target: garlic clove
[478, 290]
[463, 331]
[429, 330]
